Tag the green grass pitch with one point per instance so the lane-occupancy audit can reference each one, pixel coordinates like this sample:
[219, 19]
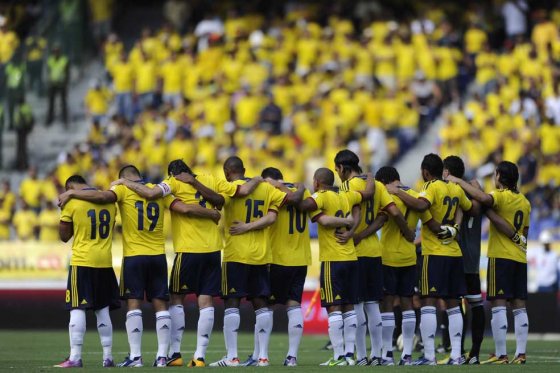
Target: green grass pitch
[37, 351]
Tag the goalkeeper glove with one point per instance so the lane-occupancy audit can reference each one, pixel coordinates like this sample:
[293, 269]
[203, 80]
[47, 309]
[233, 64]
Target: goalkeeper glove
[448, 233]
[520, 241]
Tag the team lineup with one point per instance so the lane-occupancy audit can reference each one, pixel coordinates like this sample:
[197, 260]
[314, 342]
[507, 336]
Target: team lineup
[264, 250]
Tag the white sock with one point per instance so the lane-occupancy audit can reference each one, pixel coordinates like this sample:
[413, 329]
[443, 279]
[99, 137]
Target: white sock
[295, 329]
[361, 330]
[408, 327]
[263, 324]
[134, 330]
[204, 331]
[177, 313]
[105, 330]
[77, 330]
[231, 327]
[350, 326]
[455, 331]
[256, 346]
[163, 331]
[375, 327]
[428, 328]
[499, 329]
[336, 333]
[388, 321]
[521, 330]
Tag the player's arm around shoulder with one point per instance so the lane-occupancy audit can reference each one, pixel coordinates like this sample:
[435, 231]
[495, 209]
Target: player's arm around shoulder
[420, 203]
[476, 193]
[144, 191]
[95, 196]
[238, 227]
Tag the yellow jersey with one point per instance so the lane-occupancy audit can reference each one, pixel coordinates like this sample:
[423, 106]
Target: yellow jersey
[192, 234]
[514, 208]
[337, 204]
[30, 192]
[93, 232]
[369, 246]
[397, 251]
[289, 236]
[25, 222]
[142, 222]
[444, 199]
[48, 223]
[250, 247]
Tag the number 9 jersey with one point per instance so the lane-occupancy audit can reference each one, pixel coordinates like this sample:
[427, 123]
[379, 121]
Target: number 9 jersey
[93, 232]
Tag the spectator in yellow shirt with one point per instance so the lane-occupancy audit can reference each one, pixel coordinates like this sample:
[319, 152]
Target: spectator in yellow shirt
[30, 190]
[122, 73]
[48, 222]
[25, 223]
[146, 80]
[172, 79]
[97, 101]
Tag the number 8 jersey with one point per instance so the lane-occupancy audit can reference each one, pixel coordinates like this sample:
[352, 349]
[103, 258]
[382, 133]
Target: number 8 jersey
[93, 232]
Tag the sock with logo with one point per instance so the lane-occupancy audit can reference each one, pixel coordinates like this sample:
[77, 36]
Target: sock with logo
[204, 331]
[105, 330]
[134, 330]
[408, 328]
[428, 328]
[231, 328]
[499, 329]
[349, 320]
[455, 331]
[388, 322]
[336, 333]
[264, 328]
[177, 313]
[77, 330]
[375, 327]
[163, 332]
[521, 330]
[478, 324]
[361, 331]
[295, 329]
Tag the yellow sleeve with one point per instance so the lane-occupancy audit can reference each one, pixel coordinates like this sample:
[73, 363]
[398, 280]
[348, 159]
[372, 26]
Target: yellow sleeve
[120, 191]
[426, 216]
[318, 198]
[277, 198]
[168, 200]
[354, 198]
[496, 198]
[428, 192]
[464, 201]
[67, 213]
[385, 197]
[225, 187]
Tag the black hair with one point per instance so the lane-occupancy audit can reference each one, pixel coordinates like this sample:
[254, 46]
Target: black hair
[455, 166]
[273, 173]
[433, 164]
[130, 170]
[234, 164]
[324, 176]
[177, 167]
[387, 174]
[348, 160]
[74, 179]
[508, 175]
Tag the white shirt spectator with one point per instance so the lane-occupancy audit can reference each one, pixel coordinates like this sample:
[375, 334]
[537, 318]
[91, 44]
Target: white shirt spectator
[205, 28]
[552, 106]
[514, 17]
[547, 268]
[527, 107]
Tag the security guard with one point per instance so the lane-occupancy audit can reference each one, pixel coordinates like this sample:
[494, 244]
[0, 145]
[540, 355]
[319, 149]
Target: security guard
[58, 73]
[15, 87]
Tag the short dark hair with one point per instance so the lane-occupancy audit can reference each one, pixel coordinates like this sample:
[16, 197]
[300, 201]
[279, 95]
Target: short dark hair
[348, 160]
[177, 167]
[74, 179]
[273, 173]
[508, 175]
[129, 170]
[455, 166]
[324, 176]
[234, 164]
[387, 174]
[433, 164]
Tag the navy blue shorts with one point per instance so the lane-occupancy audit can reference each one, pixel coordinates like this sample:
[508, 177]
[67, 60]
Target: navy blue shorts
[370, 280]
[240, 280]
[507, 279]
[91, 288]
[198, 273]
[339, 283]
[144, 275]
[399, 280]
[286, 283]
[442, 277]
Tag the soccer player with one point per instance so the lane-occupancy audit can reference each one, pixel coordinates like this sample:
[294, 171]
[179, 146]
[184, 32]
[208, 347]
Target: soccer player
[507, 261]
[144, 271]
[442, 265]
[368, 250]
[339, 263]
[197, 243]
[245, 259]
[92, 284]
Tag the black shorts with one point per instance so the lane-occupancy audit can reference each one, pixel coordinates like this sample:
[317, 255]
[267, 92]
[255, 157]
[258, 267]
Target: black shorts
[286, 283]
[198, 273]
[399, 281]
[91, 288]
[370, 280]
[474, 292]
[339, 283]
[442, 277]
[240, 280]
[144, 275]
[507, 279]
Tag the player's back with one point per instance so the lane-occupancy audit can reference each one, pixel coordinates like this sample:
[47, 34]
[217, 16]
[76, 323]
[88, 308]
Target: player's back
[514, 208]
[93, 232]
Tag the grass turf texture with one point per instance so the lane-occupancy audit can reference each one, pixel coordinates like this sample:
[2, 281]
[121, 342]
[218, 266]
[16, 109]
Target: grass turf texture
[31, 351]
